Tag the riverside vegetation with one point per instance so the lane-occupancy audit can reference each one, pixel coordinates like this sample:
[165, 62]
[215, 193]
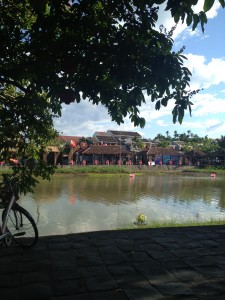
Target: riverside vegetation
[175, 223]
[91, 170]
[114, 169]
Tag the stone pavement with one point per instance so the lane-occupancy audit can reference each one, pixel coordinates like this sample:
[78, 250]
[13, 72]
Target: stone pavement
[171, 263]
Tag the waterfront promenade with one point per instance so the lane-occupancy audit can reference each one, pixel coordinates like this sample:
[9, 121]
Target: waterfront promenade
[167, 263]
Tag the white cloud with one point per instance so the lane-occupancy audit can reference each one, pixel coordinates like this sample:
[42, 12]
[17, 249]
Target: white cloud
[212, 127]
[81, 118]
[215, 130]
[84, 118]
[207, 104]
[205, 74]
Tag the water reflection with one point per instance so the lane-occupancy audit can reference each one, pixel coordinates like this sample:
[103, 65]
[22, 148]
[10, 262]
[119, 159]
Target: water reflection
[74, 204]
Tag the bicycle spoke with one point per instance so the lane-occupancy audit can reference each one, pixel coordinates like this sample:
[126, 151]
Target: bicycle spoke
[22, 227]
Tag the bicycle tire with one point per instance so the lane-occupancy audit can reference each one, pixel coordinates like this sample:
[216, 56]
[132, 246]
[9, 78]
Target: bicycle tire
[21, 226]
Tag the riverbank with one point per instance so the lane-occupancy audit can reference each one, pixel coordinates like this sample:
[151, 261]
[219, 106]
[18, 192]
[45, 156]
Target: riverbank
[174, 224]
[133, 169]
[136, 169]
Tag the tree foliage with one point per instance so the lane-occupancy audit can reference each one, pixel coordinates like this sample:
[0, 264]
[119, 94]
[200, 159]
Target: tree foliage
[25, 130]
[108, 52]
[221, 142]
[137, 144]
[191, 142]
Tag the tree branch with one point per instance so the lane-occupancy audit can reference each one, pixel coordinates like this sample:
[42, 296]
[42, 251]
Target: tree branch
[16, 84]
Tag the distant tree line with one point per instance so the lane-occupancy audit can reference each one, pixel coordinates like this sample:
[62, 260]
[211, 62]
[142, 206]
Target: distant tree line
[192, 141]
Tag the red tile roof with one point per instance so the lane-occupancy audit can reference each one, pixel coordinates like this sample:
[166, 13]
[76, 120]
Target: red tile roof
[102, 133]
[68, 138]
[103, 149]
[163, 151]
[126, 134]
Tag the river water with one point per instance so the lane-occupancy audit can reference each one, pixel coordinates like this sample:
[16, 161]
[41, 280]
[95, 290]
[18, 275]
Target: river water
[70, 204]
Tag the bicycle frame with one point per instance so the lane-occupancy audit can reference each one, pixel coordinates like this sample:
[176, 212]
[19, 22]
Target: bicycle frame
[17, 224]
[5, 235]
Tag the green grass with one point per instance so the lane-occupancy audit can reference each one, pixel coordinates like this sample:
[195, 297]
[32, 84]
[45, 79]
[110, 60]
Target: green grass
[220, 170]
[174, 223]
[120, 170]
[114, 169]
[93, 170]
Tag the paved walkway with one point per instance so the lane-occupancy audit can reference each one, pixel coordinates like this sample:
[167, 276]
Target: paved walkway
[180, 263]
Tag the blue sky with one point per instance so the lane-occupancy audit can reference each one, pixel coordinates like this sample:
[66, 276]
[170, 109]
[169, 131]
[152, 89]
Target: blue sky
[206, 61]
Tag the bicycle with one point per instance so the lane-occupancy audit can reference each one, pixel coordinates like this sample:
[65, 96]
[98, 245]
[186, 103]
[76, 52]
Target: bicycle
[17, 224]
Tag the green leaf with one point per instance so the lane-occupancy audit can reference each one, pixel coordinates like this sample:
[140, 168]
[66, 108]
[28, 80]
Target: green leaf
[168, 92]
[189, 107]
[189, 20]
[203, 16]
[142, 122]
[174, 112]
[157, 105]
[78, 97]
[180, 114]
[203, 19]
[153, 97]
[164, 101]
[176, 17]
[183, 56]
[208, 5]
[196, 21]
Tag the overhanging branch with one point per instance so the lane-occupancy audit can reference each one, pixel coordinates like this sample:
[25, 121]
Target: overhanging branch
[16, 84]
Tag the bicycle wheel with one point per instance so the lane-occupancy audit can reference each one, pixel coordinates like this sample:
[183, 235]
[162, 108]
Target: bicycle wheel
[22, 226]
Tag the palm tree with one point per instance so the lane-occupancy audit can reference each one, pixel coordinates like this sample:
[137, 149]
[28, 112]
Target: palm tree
[137, 144]
[176, 135]
[167, 134]
[183, 137]
[159, 137]
[189, 133]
